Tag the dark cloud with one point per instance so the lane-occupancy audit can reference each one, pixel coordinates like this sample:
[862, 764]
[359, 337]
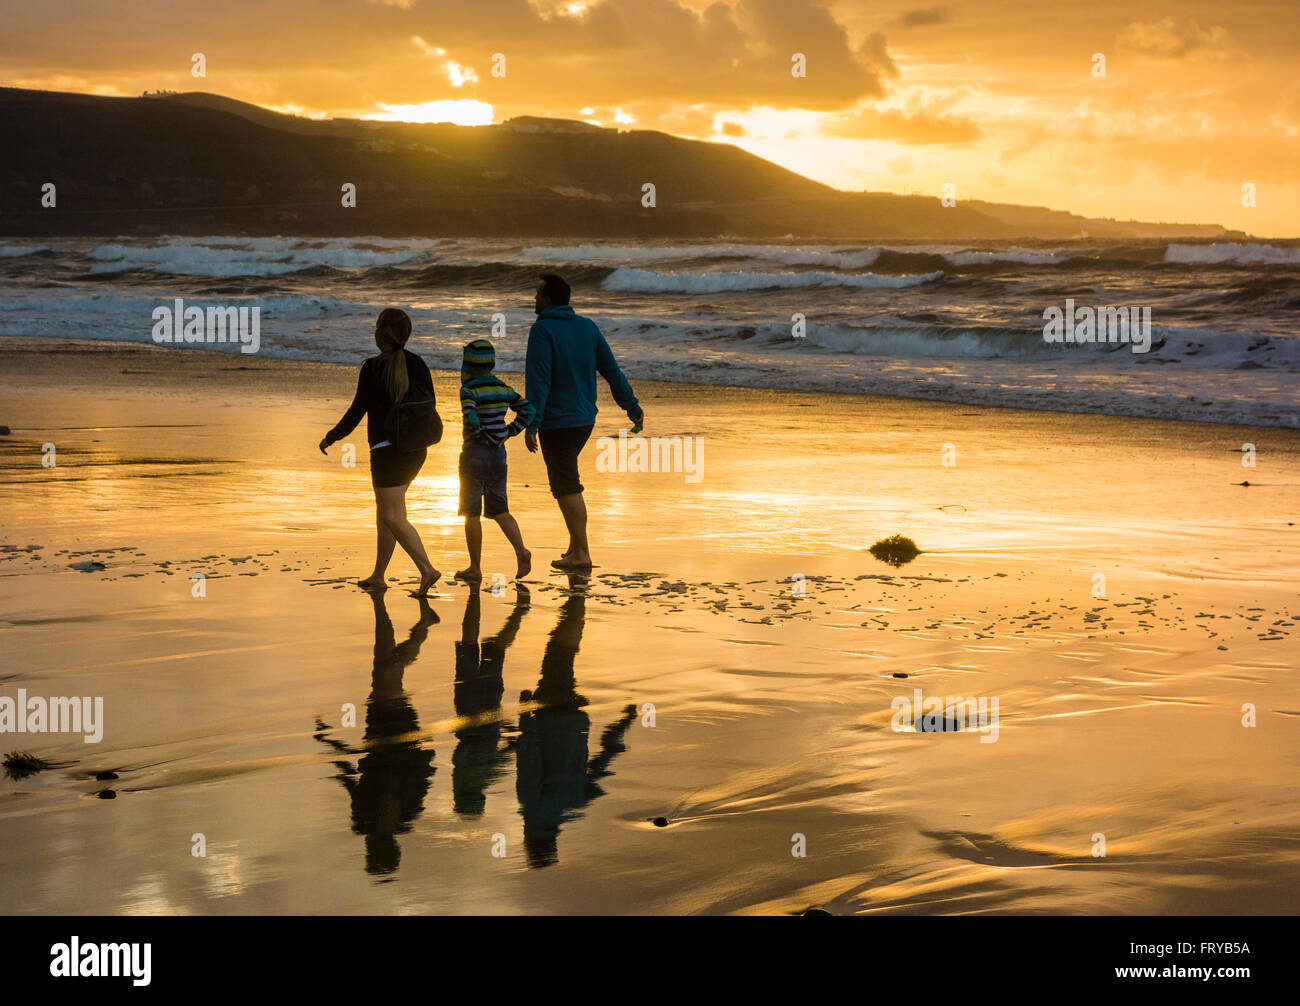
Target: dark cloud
[925, 16]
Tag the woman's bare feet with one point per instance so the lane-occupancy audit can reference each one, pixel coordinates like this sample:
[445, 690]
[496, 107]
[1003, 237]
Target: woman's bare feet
[373, 584]
[427, 581]
[470, 574]
[525, 560]
[569, 561]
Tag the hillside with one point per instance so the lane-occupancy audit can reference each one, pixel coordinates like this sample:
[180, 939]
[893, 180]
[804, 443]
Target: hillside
[204, 164]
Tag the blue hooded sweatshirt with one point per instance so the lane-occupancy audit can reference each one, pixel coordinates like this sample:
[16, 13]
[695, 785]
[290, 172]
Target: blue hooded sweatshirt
[565, 352]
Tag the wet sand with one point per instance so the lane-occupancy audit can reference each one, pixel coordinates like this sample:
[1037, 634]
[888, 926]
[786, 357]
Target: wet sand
[502, 757]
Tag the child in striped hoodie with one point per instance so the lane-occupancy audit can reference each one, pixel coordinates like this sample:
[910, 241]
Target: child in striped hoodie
[484, 399]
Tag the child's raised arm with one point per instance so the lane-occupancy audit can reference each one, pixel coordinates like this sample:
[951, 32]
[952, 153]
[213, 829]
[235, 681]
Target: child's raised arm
[524, 413]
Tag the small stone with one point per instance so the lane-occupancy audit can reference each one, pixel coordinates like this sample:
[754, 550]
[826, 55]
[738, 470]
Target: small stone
[660, 822]
[106, 794]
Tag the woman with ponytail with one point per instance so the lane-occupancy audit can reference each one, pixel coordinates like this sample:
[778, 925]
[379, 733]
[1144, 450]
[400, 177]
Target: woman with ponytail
[385, 381]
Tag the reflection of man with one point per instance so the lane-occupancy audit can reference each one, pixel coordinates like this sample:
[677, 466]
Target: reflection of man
[391, 779]
[478, 761]
[555, 779]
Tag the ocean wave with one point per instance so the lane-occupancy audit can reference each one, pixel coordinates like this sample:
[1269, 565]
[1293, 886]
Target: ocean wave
[892, 338]
[629, 280]
[52, 306]
[830, 256]
[18, 251]
[207, 260]
[285, 243]
[506, 276]
[1187, 345]
[1244, 254]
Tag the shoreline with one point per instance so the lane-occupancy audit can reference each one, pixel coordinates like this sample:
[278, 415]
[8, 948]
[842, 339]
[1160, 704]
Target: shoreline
[36, 346]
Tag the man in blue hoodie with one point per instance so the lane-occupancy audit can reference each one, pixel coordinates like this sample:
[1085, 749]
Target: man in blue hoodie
[565, 353]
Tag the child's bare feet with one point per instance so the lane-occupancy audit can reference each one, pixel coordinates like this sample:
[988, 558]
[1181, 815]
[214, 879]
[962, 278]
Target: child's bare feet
[372, 584]
[427, 581]
[572, 561]
[525, 560]
[472, 574]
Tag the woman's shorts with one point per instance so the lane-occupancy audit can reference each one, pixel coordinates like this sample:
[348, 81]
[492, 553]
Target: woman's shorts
[390, 467]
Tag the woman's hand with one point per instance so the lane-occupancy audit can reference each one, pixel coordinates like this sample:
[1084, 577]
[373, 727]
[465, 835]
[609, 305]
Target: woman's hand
[324, 442]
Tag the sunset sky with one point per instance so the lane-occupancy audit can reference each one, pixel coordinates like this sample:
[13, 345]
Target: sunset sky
[997, 97]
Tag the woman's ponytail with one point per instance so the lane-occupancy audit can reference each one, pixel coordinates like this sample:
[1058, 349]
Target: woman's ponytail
[392, 329]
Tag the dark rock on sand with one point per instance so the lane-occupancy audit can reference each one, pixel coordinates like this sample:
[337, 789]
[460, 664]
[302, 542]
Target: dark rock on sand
[895, 550]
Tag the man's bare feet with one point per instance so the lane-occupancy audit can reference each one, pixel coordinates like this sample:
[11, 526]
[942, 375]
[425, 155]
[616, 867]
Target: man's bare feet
[426, 582]
[525, 559]
[372, 584]
[569, 561]
[470, 574]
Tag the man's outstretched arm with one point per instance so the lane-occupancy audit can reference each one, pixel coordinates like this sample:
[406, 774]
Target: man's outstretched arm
[608, 368]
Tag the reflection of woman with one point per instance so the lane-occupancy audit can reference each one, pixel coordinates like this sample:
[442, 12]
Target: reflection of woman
[391, 779]
[385, 379]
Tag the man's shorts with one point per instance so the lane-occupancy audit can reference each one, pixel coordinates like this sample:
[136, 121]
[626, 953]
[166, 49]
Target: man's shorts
[560, 450]
[482, 481]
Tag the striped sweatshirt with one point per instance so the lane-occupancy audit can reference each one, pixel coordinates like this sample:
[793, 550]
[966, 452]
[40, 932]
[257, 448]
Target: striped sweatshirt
[483, 401]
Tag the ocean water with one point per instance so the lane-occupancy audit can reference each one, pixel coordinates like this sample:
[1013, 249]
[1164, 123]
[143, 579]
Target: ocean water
[958, 323]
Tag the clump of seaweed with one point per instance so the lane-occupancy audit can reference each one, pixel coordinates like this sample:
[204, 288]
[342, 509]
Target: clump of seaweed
[21, 764]
[896, 550]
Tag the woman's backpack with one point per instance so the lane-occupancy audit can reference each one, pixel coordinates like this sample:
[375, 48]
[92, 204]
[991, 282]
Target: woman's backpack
[413, 423]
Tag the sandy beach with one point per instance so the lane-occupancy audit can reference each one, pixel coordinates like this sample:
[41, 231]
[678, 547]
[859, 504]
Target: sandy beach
[667, 737]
